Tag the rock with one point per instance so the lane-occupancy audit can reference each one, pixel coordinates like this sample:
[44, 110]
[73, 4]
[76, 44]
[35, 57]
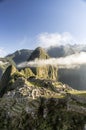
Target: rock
[38, 53]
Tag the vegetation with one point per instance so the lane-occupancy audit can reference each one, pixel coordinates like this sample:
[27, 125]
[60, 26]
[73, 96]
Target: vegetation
[33, 99]
[27, 72]
[46, 115]
[20, 56]
[46, 72]
[38, 53]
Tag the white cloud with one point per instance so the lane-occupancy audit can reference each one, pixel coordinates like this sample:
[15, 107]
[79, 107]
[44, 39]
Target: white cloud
[55, 39]
[71, 61]
[3, 63]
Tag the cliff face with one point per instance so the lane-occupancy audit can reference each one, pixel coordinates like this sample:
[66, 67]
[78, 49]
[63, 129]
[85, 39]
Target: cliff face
[27, 72]
[20, 55]
[39, 104]
[38, 53]
[8, 78]
[39, 114]
[33, 99]
[4, 63]
[46, 72]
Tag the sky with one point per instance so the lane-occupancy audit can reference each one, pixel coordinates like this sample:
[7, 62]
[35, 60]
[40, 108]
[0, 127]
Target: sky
[26, 24]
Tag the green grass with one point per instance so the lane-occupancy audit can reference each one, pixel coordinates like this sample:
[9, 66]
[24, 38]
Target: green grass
[79, 93]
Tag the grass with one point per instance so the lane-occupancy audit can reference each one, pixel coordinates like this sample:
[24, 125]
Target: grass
[79, 93]
[54, 96]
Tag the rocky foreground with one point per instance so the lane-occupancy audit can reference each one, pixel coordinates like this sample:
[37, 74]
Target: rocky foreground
[31, 103]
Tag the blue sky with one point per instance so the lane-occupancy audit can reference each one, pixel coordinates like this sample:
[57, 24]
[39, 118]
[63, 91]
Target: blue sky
[30, 23]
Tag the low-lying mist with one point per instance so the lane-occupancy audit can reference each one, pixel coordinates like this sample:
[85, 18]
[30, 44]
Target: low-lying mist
[64, 62]
[71, 69]
[3, 63]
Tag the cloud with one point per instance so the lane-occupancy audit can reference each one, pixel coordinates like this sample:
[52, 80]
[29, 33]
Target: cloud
[55, 39]
[63, 62]
[3, 63]
[2, 52]
[46, 40]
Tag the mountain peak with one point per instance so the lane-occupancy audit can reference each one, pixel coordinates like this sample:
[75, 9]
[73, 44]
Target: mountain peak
[39, 53]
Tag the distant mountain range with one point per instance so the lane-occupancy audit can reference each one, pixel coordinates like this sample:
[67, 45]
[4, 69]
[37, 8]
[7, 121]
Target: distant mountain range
[59, 51]
[20, 55]
[65, 50]
[32, 98]
[74, 77]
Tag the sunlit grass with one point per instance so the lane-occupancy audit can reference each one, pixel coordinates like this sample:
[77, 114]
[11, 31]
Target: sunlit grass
[79, 93]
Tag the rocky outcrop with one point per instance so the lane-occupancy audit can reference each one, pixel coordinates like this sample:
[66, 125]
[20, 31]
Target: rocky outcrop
[20, 56]
[38, 114]
[8, 78]
[46, 72]
[41, 71]
[27, 72]
[38, 53]
[31, 103]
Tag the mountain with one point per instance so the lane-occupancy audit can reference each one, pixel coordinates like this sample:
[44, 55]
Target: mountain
[65, 50]
[8, 78]
[32, 98]
[38, 53]
[65, 75]
[4, 63]
[20, 55]
[43, 71]
[46, 72]
[36, 103]
[59, 51]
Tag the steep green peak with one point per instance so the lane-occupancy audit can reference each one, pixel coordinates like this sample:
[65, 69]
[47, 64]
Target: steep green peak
[38, 53]
[12, 69]
[5, 79]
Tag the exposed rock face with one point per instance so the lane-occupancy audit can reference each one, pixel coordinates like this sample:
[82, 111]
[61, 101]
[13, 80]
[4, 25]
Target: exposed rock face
[38, 53]
[20, 55]
[4, 63]
[8, 78]
[27, 72]
[38, 114]
[46, 72]
[31, 103]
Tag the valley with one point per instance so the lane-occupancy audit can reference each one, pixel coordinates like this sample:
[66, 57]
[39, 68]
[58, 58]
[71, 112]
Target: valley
[34, 97]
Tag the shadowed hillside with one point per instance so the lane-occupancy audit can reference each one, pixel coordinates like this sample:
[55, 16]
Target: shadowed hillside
[20, 56]
[39, 53]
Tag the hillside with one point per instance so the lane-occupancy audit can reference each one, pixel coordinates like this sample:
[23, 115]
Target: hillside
[32, 98]
[65, 75]
[4, 63]
[43, 71]
[38, 53]
[20, 56]
[59, 51]
[41, 104]
[65, 50]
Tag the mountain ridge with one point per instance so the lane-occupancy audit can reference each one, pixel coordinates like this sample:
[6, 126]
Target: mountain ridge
[30, 102]
[38, 53]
